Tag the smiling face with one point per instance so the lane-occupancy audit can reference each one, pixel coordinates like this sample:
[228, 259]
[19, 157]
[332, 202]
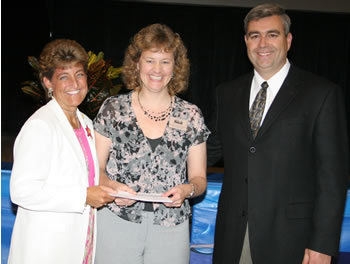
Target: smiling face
[69, 85]
[267, 45]
[156, 69]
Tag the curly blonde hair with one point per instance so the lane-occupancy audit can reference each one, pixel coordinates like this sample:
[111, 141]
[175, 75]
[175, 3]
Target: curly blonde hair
[61, 53]
[160, 37]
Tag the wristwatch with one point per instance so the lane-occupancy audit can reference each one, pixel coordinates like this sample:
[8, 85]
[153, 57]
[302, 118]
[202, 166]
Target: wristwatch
[192, 192]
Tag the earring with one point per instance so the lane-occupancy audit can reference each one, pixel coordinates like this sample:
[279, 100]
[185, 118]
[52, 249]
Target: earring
[50, 92]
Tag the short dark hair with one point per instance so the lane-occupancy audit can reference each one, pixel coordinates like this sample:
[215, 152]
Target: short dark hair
[60, 53]
[266, 10]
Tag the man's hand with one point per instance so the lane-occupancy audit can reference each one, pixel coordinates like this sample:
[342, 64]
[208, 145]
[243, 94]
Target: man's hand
[314, 257]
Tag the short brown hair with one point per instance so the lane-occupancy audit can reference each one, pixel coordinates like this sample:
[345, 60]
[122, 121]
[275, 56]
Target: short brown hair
[266, 10]
[160, 37]
[60, 53]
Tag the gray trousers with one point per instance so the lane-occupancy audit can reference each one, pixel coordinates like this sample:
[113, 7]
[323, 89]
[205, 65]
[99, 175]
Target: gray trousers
[246, 257]
[124, 242]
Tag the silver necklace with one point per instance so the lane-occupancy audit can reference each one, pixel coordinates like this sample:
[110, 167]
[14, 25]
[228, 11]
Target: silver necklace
[156, 116]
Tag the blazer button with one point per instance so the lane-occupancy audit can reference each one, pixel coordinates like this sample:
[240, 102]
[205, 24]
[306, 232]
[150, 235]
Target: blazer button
[246, 180]
[244, 213]
[252, 149]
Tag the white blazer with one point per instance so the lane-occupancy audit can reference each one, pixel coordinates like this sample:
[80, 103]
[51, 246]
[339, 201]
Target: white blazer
[49, 183]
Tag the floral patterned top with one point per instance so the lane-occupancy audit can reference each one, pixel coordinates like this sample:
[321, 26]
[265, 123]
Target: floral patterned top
[131, 160]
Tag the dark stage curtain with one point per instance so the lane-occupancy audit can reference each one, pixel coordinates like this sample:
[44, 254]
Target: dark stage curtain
[212, 35]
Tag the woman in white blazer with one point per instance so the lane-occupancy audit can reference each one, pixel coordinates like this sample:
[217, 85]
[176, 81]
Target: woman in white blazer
[55, 173]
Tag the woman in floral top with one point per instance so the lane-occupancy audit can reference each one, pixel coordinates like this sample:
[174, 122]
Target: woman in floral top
[150, 141]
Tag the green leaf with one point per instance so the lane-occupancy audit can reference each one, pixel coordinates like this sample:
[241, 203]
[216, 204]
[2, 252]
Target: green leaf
[115, 89]
[34, 63]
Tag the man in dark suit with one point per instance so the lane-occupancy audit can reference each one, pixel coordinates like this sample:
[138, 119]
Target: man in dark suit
[285, 154]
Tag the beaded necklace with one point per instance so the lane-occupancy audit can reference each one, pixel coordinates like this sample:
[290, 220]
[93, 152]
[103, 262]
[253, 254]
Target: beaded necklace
[156, 116]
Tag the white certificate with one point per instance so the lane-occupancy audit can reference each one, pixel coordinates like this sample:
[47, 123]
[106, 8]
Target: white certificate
[146, 197]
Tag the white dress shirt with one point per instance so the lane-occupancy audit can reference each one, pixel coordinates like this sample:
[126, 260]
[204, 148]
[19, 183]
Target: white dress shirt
[275, 83]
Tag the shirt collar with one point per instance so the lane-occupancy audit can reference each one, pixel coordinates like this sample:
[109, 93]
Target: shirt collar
[276, 81]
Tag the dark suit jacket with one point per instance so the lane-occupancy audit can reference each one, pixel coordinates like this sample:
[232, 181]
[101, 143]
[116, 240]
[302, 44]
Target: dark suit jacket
[290, 182]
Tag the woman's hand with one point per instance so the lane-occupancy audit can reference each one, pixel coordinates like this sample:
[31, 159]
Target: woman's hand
[98, 196]
[178, 194]
[123, 202]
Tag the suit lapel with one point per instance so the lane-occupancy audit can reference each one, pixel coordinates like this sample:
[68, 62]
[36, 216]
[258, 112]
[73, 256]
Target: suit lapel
[87, 126]
[243, 104]
[68, 132]
[89, 132]
[285, 95]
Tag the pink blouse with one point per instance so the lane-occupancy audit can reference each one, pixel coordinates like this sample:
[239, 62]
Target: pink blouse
[80, 133]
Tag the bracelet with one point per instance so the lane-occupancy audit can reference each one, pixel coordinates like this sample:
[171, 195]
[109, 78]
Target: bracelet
[192, 192]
